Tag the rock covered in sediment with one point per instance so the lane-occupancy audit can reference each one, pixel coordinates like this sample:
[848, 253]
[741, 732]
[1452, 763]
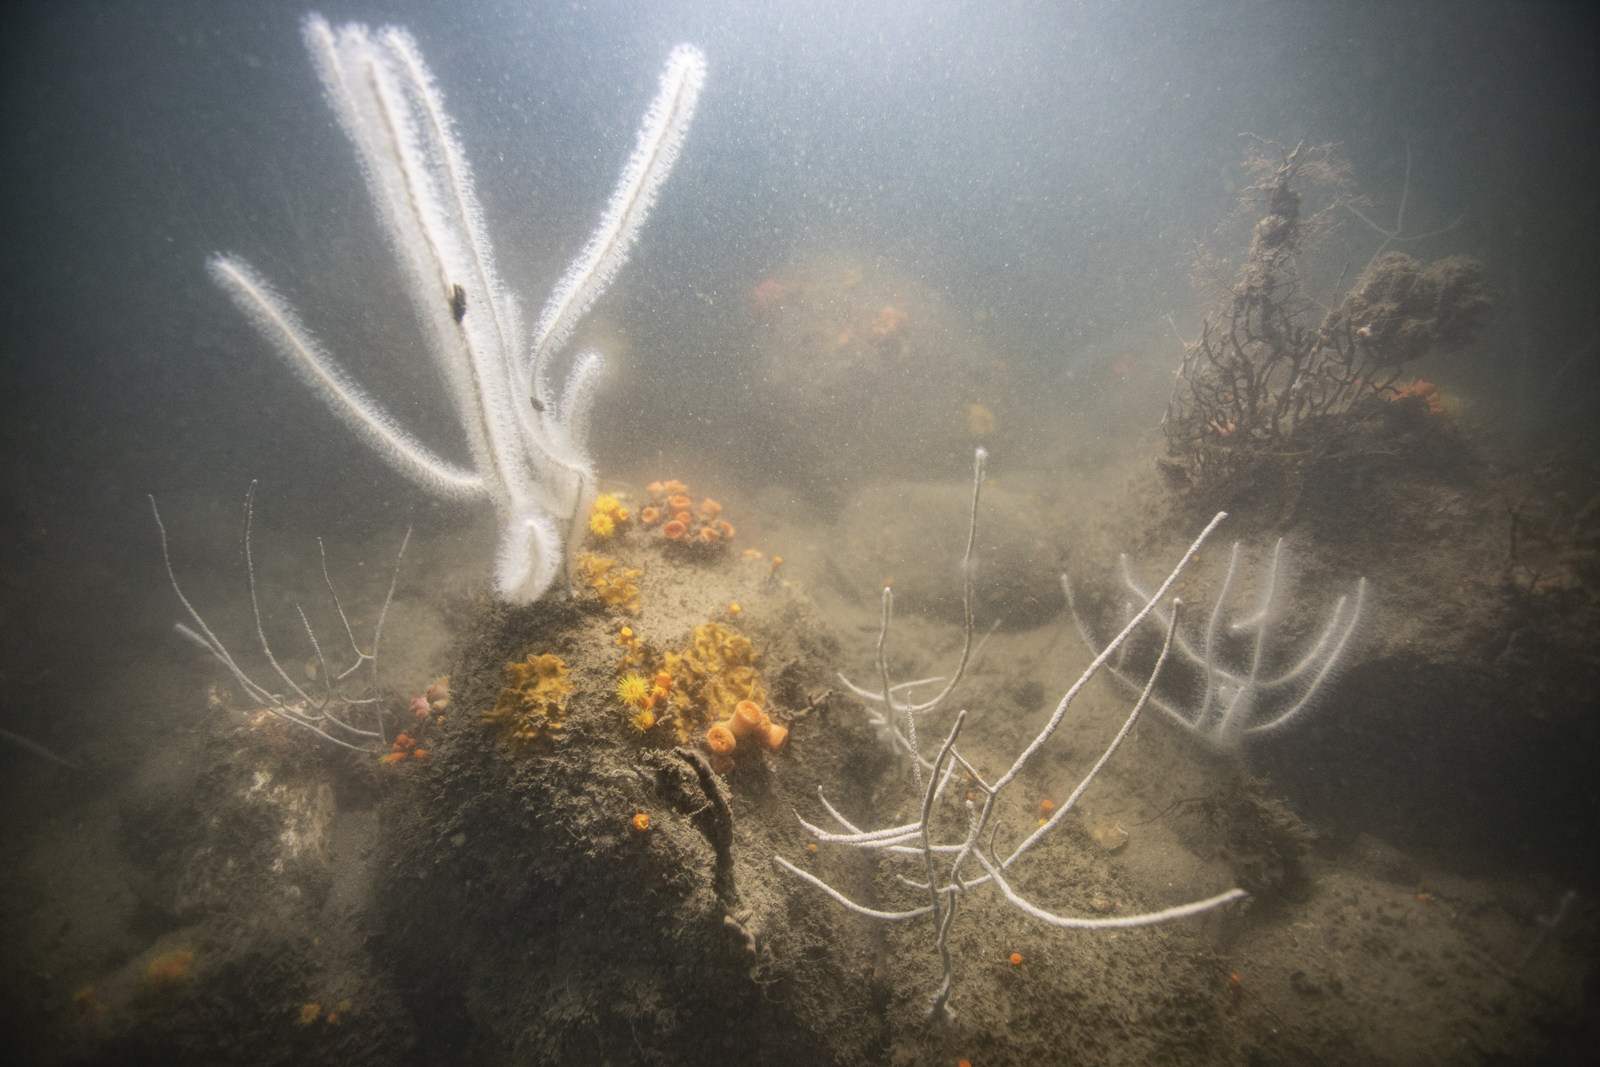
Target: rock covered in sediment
[915, 534]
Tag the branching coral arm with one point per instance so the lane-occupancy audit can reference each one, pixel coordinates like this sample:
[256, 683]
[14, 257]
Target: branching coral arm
[1127, 727]
[1105, 654]
[661, 135]
[889, 916]
[1069, 922]
[276, 321]
[885, 696]
[1331, 658]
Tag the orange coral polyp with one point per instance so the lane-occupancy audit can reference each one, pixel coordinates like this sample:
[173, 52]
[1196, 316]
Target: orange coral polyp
[708, 534]
[672, 487]
[720, 739]
[746, 719]
[655, 489]
[649, 516]
[710, 508]
[725, 528]
[749, 721]
[167, 969]
[674, 530]
[679, 502]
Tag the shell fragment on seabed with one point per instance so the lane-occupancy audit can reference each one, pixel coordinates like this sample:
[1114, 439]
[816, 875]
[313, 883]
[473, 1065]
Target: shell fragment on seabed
[1109, 835]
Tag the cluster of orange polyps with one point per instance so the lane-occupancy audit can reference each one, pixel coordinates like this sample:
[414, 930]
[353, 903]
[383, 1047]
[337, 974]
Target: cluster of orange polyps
[671, 508]
[747, 722]
[405, 747]
[1423, 391]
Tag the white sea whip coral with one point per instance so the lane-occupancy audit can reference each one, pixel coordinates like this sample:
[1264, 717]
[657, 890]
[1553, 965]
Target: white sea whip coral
[527, 437]
[944, 881]
[1236, 696]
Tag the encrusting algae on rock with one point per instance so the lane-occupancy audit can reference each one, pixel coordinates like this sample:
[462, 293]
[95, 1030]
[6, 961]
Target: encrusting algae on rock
[533, 705]
[693, 688]
[714, 674]
[616, 585]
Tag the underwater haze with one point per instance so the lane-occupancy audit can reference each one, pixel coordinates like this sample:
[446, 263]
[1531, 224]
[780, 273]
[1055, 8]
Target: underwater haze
[982, 311]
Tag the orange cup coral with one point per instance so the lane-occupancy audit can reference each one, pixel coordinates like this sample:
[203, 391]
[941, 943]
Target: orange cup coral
[749, 721]
[746, 719]
[168, 969]
[720, 739]
[674, 530]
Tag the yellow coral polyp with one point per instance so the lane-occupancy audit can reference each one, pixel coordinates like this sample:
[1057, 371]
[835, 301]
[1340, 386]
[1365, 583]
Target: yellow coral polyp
[643, 721]
[605, 515]
[633, 689]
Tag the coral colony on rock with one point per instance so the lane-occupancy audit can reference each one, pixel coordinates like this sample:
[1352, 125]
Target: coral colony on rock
[1274, 368]
[1239, 700]
[975, 839]
[593, 766]
[526, 434]
[338, 694]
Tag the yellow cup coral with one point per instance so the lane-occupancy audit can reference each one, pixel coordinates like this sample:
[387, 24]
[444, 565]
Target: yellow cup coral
[633, 689]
